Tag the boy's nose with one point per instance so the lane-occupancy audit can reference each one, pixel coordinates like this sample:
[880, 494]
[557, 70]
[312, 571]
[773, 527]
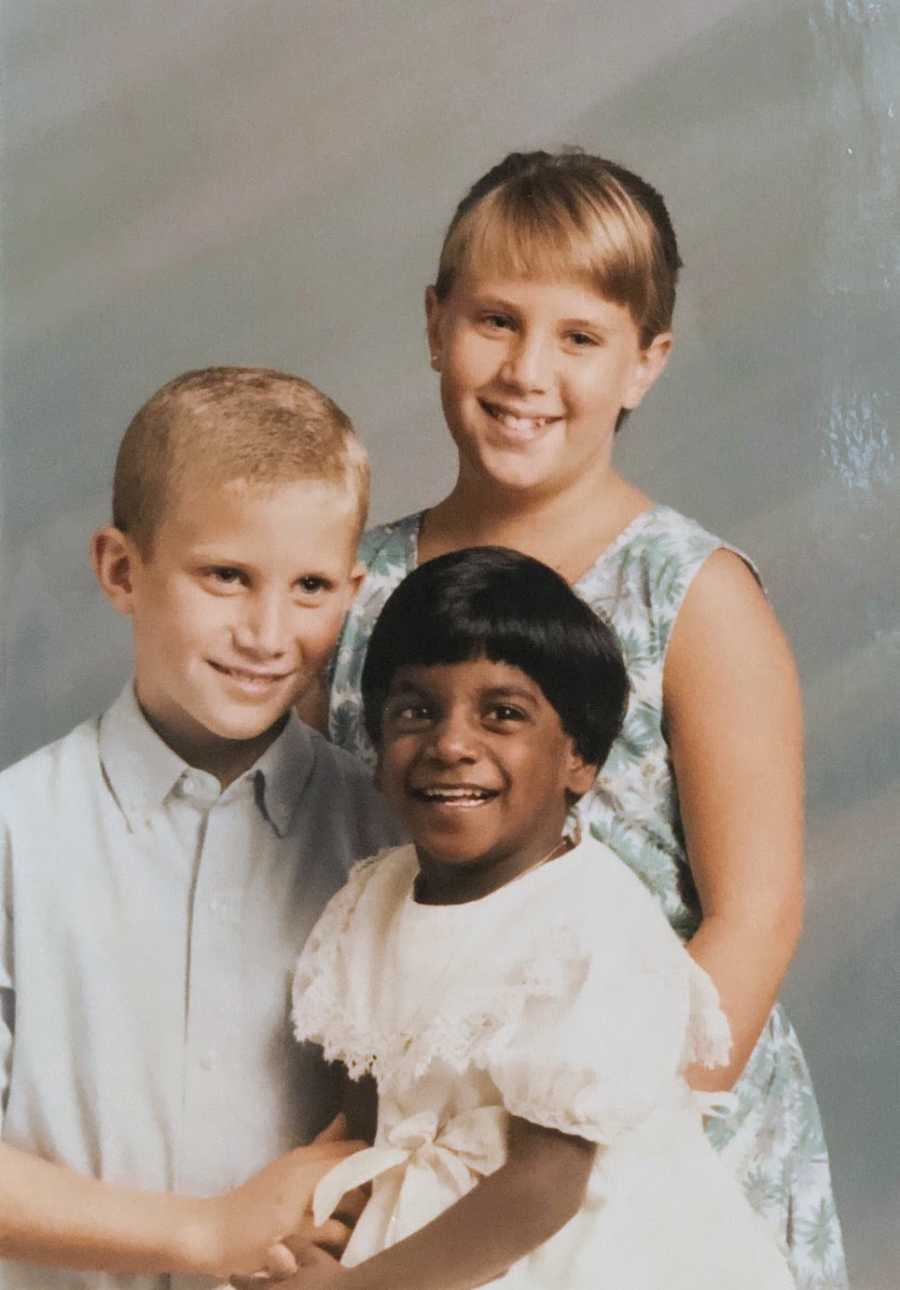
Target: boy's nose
[263, 627]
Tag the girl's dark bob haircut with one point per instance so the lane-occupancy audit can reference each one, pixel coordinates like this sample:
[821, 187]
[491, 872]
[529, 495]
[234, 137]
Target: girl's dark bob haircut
[490, 602]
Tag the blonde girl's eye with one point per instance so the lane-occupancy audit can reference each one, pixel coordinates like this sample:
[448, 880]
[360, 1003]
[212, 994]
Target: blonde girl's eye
[497, 322]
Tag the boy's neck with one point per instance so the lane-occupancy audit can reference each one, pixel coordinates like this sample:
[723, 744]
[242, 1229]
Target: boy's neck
[226, 759]
[567, 530]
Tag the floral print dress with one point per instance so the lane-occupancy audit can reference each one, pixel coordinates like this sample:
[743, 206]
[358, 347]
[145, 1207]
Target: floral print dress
[772, 1135]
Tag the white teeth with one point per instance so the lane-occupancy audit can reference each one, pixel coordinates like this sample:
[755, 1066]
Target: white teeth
[253, 679]
[522, 424]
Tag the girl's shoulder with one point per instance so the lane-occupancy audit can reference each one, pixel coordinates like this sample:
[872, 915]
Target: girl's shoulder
[641, 581]
[661, 537]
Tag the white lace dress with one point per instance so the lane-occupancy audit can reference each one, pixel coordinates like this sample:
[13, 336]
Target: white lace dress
[566, 999]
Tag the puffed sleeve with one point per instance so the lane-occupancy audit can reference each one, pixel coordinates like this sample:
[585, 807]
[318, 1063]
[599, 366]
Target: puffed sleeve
[335, 987]
[609, 1049]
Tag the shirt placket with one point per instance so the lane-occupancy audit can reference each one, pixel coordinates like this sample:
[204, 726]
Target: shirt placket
[214, 926]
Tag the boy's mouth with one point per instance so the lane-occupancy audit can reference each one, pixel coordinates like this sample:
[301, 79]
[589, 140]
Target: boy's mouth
[247, 677]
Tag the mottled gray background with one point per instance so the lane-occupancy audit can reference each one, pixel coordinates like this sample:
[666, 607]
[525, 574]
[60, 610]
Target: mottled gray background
[206, 181]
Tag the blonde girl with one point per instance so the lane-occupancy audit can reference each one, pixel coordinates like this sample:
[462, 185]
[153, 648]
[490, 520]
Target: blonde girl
[548, 322]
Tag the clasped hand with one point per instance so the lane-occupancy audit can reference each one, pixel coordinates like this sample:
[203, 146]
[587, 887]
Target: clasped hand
[264, 1231]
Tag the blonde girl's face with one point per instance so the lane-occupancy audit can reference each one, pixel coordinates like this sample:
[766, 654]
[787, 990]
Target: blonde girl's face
[534, 374]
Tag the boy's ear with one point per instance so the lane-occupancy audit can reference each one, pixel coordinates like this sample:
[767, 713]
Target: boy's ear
[649, 368]
[113, 558]
[433, 327]
[357, 573]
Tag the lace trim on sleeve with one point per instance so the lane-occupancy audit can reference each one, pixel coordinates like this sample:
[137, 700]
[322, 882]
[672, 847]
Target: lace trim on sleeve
[319, 990]
[708, 1039]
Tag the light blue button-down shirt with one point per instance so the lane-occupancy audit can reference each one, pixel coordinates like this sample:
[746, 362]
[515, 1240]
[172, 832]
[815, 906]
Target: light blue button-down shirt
[152, 924]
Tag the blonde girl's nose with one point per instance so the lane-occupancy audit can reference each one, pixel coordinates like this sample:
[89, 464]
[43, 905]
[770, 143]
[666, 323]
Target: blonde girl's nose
[528, 363]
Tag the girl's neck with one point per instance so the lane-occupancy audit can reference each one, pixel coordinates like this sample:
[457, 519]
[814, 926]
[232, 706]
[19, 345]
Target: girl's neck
[568, 529]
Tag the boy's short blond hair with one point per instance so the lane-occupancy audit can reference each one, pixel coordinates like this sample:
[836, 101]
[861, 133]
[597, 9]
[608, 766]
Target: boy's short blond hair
[569, 215]
[224, 423]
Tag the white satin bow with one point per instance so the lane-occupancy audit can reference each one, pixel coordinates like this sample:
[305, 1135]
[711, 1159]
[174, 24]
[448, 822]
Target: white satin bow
[422, 1168]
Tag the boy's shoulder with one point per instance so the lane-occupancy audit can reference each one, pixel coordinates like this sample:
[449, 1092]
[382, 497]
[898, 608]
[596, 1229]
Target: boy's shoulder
[349, 791]
[341, 766]
[72, 758]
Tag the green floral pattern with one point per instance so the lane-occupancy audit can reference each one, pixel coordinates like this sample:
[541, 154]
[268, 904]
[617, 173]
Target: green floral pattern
[773, 1135]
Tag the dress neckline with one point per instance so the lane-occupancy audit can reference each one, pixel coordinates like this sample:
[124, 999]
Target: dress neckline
[519, 886]
[622, 538]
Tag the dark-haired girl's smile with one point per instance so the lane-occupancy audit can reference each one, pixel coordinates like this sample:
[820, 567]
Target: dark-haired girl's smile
[476, 762]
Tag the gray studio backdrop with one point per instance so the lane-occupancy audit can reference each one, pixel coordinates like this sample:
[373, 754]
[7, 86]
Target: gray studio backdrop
[206, 181]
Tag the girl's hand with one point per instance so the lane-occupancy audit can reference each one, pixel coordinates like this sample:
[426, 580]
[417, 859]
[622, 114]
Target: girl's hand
[316, 1270]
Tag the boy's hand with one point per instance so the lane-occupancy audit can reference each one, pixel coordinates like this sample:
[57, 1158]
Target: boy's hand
[250, 1226]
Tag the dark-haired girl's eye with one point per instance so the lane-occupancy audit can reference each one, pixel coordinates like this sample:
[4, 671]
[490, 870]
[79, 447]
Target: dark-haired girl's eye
[505, 712]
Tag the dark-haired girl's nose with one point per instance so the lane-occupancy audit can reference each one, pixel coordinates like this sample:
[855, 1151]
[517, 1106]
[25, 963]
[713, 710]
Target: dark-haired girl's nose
[451, 740]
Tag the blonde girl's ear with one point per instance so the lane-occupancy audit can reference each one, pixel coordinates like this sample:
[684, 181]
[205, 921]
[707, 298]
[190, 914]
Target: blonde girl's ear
[650, 365]
[433, 314]
[114, 559]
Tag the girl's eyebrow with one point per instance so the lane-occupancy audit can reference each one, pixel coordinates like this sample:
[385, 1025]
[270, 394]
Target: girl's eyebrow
[518, 692]
[489, 301]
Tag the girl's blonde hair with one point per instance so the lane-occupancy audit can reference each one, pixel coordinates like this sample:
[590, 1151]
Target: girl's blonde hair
[569, 215]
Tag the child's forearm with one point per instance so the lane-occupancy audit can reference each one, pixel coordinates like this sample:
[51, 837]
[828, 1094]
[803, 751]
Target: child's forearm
[501, 1220]
[51, 1215]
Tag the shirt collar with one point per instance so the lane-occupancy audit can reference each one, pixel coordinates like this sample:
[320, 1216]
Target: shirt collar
[283, 771]
[142, 769]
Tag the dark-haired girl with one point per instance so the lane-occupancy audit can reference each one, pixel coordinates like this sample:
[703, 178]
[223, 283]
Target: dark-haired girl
[525, 1009]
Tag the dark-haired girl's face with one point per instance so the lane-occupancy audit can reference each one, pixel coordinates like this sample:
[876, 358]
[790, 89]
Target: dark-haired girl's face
[475, 761]
[534, 374]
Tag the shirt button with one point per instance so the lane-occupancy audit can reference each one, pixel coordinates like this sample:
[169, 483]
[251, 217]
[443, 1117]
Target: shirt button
[208, 1060]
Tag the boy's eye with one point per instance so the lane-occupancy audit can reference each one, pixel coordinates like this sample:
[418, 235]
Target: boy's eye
[583, 339]
[312, 585]
[225, 576]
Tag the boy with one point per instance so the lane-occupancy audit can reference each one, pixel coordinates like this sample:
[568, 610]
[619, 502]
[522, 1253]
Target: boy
[162, 866]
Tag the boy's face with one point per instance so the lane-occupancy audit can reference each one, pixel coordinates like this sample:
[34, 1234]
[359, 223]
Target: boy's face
[475, 761]
[235, 609]
[534, 374]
